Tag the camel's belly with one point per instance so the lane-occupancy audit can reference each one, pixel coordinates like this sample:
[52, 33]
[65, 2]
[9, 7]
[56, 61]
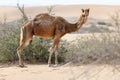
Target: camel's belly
[44, 33]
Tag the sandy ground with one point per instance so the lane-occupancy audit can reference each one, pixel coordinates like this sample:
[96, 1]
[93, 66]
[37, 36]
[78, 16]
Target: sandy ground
[64, 72]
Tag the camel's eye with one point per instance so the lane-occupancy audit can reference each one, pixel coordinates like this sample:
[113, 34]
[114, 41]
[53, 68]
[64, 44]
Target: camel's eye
[83, 10]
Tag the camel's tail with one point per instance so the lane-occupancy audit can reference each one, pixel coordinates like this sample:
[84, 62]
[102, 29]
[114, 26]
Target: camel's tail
[32, 23]
[22, 35]
[35, 22]
[22, 38]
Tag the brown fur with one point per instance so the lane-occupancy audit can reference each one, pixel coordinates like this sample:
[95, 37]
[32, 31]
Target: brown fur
[46, 26]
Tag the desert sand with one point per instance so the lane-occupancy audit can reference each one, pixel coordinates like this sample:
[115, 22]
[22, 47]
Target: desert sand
[64, 72]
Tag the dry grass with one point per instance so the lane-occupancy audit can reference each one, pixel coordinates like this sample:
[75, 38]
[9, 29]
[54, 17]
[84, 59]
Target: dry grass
[86, 49]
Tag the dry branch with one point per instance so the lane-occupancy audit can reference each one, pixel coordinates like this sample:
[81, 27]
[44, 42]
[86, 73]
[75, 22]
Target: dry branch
[21, 9]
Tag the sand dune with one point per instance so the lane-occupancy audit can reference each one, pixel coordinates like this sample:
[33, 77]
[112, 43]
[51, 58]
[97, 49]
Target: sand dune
[96, 11]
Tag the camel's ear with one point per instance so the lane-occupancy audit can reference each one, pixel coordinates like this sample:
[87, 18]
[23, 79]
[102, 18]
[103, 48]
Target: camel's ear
[88, 9]
[82, 10]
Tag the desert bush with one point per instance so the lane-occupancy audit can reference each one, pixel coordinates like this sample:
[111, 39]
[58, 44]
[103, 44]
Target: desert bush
[8, 43]
[101, 23]
[115, 20]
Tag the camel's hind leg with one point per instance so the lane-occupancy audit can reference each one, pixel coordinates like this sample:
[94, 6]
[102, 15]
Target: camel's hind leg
[25, 39]
[19, 51]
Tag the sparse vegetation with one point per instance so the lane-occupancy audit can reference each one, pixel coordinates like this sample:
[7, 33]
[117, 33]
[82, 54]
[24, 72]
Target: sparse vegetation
[88, 49]
[50, 10]
[101, 23]
[3, 19]
[8, 43]
[115, 20]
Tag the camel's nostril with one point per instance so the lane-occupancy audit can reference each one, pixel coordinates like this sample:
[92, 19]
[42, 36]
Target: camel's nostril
[83, 15]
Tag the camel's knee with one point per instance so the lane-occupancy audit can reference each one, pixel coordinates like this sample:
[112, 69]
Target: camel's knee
[20, 48]
[51, 49]
[30, 42]
[21, 45]
[27, 42]
[19, 51]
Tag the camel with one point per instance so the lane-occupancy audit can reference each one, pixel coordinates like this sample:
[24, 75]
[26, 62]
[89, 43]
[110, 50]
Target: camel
[47, 26]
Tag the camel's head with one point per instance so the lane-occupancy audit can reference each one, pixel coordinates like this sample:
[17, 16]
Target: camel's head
[84, 16]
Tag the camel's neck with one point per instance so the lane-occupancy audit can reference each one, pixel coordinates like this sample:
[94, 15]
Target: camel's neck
[76, 26]
[71, 28]
[80, 22]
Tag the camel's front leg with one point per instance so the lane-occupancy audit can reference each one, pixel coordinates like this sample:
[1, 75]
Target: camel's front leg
[56, 57]
[54, 49]
[50, 55]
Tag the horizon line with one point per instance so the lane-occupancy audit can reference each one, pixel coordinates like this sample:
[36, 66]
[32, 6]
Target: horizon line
[26, 5]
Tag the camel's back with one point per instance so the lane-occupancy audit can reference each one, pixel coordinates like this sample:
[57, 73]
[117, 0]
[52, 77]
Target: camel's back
[45, 25]
[45, 18]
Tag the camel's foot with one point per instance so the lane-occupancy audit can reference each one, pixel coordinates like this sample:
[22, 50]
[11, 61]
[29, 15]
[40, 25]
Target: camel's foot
[56, 65]
[52, 65]
[49, 65]
[21, 65]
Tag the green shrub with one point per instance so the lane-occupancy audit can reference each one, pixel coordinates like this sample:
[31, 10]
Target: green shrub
[8, 44]
[101, 23]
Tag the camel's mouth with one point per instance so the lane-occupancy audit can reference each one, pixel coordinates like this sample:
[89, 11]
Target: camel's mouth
[86, 12]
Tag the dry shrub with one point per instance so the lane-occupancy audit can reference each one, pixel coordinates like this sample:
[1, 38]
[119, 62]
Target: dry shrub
[88, 49]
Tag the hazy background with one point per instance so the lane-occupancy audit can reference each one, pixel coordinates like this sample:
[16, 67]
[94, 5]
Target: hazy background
[57, 2]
